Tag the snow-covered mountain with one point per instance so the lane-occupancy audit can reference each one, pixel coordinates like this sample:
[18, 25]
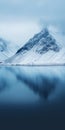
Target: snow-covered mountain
[46, 47]
[7, 49]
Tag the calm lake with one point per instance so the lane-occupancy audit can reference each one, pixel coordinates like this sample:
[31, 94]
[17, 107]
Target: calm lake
[33, 93]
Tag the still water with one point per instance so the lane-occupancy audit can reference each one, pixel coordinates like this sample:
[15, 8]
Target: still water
[32, 85]
[36, 90]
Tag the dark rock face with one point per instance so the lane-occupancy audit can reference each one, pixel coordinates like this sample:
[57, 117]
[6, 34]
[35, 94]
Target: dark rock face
[46, 44]
[43, 42]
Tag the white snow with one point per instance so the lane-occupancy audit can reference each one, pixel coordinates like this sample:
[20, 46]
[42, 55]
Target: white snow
[31, 57]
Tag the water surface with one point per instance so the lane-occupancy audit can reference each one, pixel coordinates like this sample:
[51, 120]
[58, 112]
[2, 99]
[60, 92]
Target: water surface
[31, 84]
[36, 93]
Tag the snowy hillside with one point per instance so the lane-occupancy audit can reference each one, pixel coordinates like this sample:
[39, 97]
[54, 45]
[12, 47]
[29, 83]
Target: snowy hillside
[7, 49]
[46, 47]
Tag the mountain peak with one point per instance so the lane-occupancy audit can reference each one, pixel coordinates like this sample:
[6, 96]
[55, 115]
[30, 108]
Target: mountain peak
[45, 31]
[43, 39]
[42, 49]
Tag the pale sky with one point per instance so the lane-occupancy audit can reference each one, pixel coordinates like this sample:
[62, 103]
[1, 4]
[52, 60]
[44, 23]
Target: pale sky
[33, 8]
[20, 19]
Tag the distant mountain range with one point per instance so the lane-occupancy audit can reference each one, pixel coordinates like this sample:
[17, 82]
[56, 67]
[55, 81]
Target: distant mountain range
[45, 48]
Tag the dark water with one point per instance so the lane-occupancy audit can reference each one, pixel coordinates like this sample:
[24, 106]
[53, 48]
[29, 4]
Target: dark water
[32, 96]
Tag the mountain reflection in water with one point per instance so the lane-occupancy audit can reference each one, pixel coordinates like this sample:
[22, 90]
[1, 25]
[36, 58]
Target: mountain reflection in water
[32, 95]
[33, 82]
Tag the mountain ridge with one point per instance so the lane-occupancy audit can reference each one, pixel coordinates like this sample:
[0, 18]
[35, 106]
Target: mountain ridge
[42, 49]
